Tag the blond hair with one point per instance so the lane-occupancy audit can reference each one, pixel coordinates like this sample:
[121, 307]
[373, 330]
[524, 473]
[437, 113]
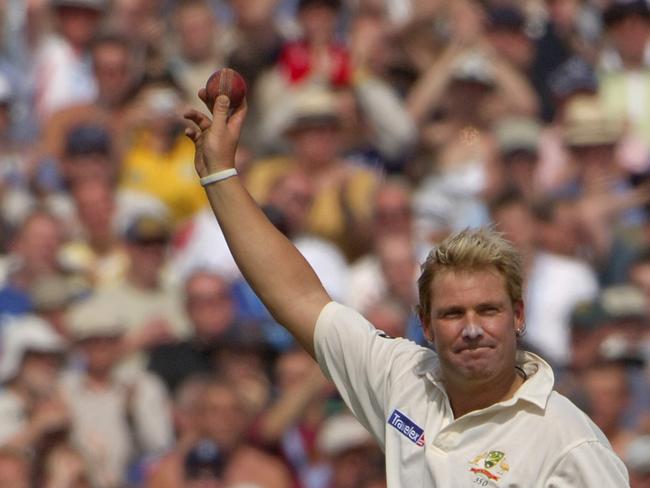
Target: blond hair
[471, 250]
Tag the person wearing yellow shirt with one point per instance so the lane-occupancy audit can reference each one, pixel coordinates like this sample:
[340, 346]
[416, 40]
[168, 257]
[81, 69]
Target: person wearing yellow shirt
[159, 159]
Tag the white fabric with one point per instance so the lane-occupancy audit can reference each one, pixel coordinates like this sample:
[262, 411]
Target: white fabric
[109, 423]
[542, 438]
[13, 415]
[367, 283]
[328, 263]
[63, 77]
[556, 284]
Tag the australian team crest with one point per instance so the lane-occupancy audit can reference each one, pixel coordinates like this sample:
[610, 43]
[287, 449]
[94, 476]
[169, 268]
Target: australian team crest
[491, 465]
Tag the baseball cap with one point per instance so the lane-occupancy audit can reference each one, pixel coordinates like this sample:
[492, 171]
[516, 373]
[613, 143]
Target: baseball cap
[24, 334]
[623, 302]
[473, 67]
[575, 75]
[148, 229]
[312, 107]
[620, 9]
[515, 134]
[586, 123]
[88, 139]
[94, 318]
[615, 303]
[54, 292]
[342, 432]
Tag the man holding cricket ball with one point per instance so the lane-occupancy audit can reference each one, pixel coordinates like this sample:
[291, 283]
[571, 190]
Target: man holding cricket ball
[473, 411]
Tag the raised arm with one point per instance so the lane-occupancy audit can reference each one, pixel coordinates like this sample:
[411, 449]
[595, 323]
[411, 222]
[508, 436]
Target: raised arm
[270, 263]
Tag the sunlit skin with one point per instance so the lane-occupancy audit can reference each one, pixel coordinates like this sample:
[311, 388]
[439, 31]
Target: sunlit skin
[473, 327]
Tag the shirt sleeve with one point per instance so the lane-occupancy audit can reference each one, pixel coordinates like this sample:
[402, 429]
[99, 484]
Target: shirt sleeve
[589, 464]
[363, 363]
[152, 414]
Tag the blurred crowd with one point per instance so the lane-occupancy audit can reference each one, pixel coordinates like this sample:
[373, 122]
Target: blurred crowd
[132, 353]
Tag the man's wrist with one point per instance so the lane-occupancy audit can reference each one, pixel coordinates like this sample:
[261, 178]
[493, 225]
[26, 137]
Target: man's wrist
[217, 176]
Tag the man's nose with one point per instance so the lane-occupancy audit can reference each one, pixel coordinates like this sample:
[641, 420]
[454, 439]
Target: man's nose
[472, 331]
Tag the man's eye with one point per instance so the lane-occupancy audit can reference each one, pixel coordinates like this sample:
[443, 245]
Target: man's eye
[489, 310]
[451, 314]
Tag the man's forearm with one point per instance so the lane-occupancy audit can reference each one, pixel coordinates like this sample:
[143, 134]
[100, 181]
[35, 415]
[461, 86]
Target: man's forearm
[269, 261]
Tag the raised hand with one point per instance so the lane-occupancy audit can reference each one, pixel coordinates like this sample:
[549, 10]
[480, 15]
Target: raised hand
[215, 140]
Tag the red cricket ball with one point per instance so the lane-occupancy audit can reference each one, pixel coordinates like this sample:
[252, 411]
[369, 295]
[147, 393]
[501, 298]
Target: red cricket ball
[226, 81]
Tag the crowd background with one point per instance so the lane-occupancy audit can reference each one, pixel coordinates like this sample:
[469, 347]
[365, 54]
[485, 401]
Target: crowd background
[133, 354]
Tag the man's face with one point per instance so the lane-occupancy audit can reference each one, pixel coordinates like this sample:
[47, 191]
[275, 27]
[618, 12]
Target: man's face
[473, 326]
[221, 416]
[209, 305]
[78, 24]
[629, 36]
[39, 244]
[101, 353]
[39, 371]
[111, 63]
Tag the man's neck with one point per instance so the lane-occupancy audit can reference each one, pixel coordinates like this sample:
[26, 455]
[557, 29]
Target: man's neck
[468, 398]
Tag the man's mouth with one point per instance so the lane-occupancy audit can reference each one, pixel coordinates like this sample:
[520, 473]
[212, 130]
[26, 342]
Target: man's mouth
[474, 348]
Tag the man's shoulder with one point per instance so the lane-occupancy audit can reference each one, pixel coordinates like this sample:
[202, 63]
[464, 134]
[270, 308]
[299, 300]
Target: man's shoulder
[564, 417]
[346, 327]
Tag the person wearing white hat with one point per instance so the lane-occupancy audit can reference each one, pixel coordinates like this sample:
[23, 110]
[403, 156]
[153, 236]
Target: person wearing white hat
[30, 363]
[117, 414]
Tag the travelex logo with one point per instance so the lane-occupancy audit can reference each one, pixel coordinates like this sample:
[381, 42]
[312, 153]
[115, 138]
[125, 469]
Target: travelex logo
[407, 427]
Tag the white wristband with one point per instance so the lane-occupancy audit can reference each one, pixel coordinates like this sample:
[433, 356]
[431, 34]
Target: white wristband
[218, 176]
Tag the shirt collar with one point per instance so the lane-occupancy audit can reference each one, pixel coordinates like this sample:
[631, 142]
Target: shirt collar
[536, 389]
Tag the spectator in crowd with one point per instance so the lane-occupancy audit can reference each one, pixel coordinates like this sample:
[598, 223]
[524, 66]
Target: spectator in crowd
[625, 63]
[517, 140]
[211, 311]
[62, 68]
[608, 394]
[220, 446]
[97, 253]
[198, 50]
[291, 423]
[157, 153]
[31, 406]
[255, 37]
[116, 76]
[608, 205]
[318, 55]
[342, 200]
[35, 253]
[377, 128]
[52, 296]
[354, 456]
[150, 313]
[608, 335]
[292, 195]
[555, 282]
[112, 413]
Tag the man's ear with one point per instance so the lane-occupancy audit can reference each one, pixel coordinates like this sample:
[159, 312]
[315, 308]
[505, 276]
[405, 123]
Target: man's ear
[425, 323]
[518, 310]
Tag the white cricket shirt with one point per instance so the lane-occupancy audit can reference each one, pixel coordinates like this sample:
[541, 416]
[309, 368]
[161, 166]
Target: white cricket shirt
[538, 438]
